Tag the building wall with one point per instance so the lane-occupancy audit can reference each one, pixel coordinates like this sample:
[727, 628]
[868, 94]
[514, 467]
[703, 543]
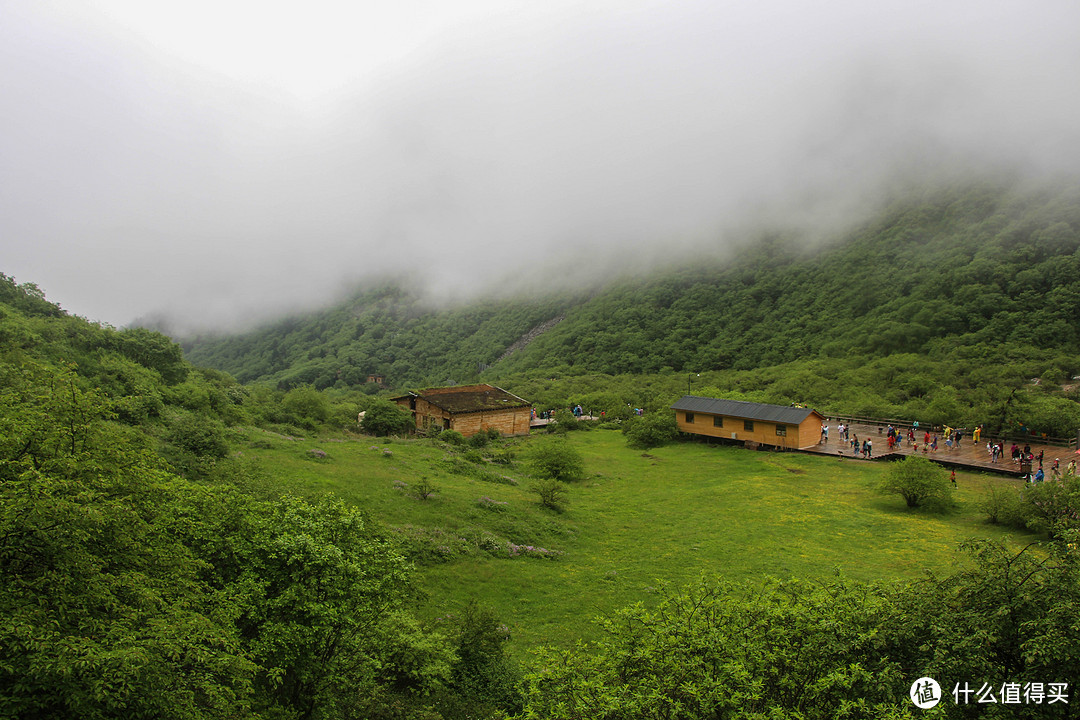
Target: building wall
[511, 421]
[797, 436]
[428, 415]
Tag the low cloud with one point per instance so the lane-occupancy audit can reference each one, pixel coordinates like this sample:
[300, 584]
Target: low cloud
[513, 145]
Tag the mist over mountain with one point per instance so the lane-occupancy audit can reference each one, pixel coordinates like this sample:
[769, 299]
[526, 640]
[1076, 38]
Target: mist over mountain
[217, 166]
[985, 267]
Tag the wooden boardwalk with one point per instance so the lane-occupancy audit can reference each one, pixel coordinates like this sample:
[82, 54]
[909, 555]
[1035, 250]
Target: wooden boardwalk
[968, 455]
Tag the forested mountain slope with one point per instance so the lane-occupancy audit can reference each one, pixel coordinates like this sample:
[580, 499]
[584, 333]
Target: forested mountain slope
[385, 330]
[979, 265]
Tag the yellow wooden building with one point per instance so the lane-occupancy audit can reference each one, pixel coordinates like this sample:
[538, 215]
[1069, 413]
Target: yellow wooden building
[776, 425]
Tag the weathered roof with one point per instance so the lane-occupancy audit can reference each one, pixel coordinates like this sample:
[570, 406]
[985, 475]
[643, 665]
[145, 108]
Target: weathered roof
[472, 398]
[743, 409]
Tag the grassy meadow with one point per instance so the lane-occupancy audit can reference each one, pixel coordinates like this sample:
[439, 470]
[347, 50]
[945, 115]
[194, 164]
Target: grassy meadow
[666, 515]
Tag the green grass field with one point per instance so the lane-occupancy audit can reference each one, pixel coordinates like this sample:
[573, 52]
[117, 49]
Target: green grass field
[639, 518]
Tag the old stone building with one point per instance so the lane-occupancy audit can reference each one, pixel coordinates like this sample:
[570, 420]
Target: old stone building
[469, 409]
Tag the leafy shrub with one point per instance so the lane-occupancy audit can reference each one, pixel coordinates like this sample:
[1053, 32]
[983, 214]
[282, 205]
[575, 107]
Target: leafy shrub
[566, 420]
[920, 482]
[503, 457]
[485, 678]
[194, 442]
[784, 650]
[1003, 506]
[306, 404]
[485, 437]
[383, 417]
[430, 546]
[473, 455]
[479, 440]
[452, 437]
[552, 493]
[558, 460]
[1052, 507]
[650, 430]
[424, 489]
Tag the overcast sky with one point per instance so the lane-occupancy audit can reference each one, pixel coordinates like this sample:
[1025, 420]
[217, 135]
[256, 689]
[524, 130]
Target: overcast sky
[219, 160]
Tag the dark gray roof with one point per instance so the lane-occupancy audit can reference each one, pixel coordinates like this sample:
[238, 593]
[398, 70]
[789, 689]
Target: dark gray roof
[742, 409]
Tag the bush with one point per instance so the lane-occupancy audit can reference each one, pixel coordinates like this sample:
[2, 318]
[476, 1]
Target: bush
[383, 417]
[556, 459]
[1052, 507]
[479, 440]
[566, 420]
[1003, 506]
[485, 679]
[307, 405]
[552, 494]
[503, 457]
[920, 482]
[651, 430]
[452, 437]
[484, 437]
[424, 489]
[199, 435]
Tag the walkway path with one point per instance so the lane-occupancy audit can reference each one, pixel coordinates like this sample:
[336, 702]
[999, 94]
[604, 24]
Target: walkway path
[967, 455]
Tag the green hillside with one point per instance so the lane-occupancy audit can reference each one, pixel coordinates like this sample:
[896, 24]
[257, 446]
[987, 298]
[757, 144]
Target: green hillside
[177, 543]
[978, 267]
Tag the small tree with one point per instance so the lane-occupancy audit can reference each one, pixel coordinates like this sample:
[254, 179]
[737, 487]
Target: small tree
[558, 460]
[423, 489]
[1052, 507]
[306, 405]
[651, 430]
[383, 417]
[552, 493]
[920, 482]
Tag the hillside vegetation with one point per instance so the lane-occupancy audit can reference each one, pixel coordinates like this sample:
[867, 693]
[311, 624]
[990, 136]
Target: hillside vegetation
[178, 544]
[960, 307]
[978, 267]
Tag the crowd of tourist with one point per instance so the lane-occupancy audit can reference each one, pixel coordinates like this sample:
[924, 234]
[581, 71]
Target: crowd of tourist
[929, 442]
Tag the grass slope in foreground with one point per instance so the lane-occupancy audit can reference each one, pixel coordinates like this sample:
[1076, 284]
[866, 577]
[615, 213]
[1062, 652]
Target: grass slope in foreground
[638, 519]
